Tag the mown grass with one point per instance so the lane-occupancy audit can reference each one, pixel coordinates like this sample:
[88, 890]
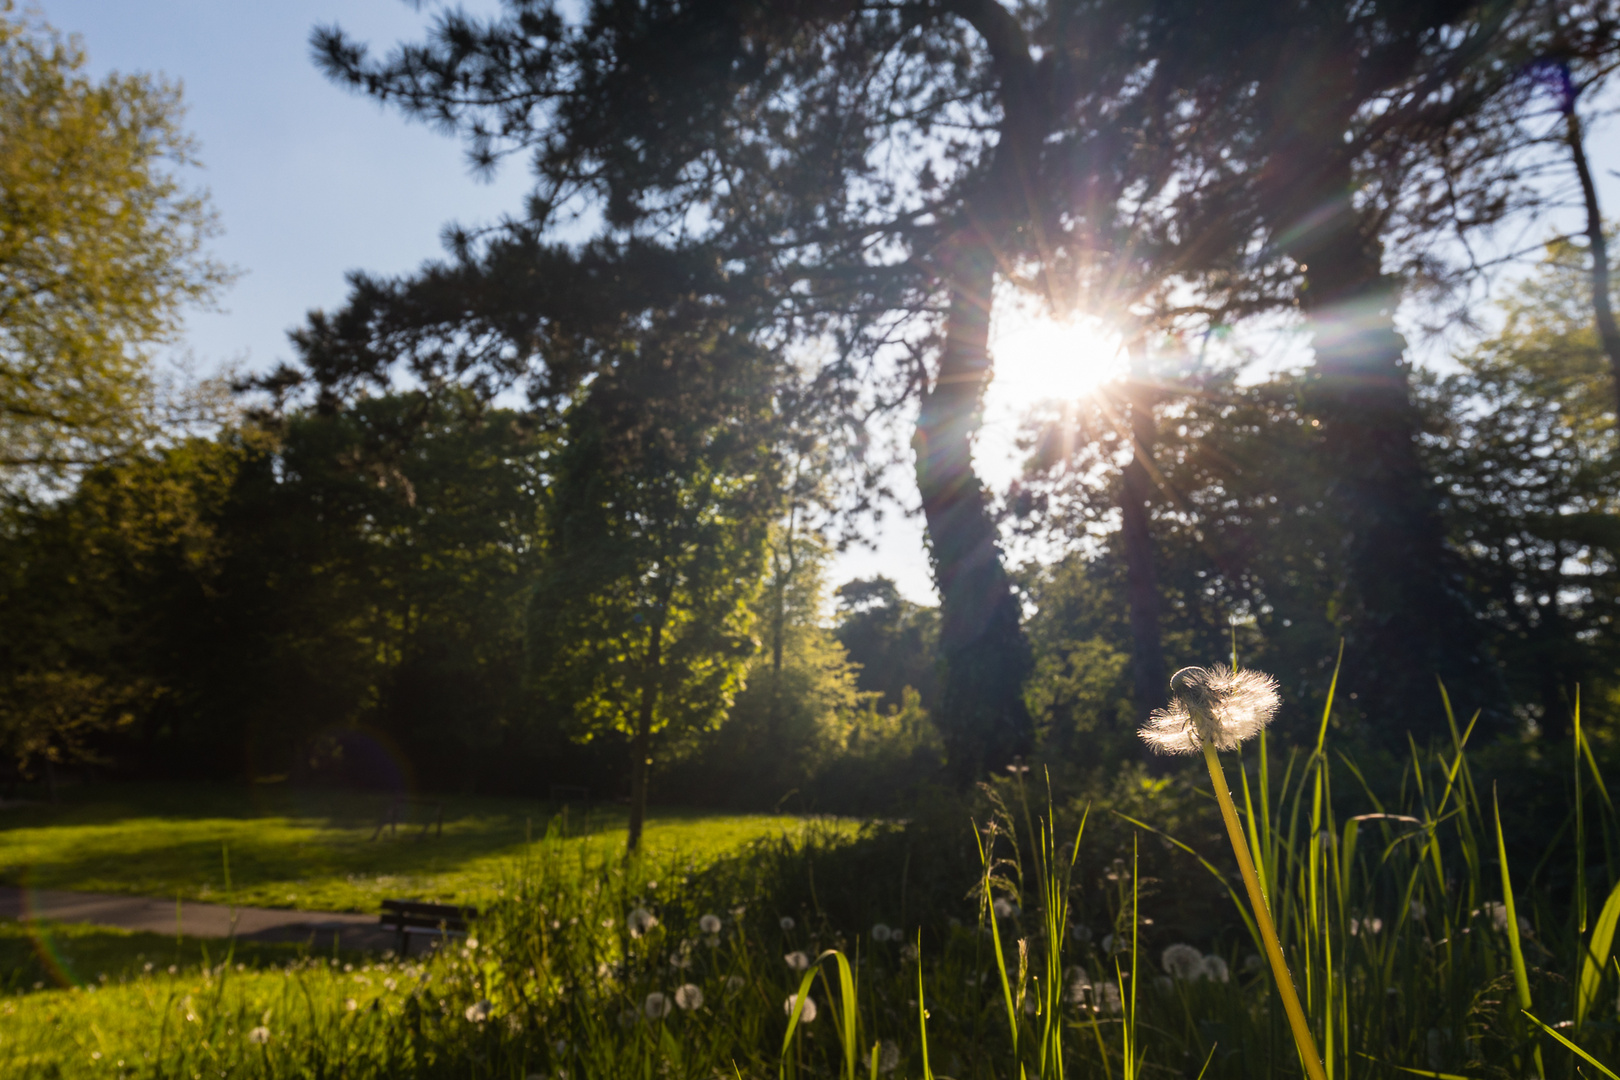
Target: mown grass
[313, 850]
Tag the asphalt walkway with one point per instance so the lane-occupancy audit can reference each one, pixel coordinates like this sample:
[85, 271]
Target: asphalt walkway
[195, 919]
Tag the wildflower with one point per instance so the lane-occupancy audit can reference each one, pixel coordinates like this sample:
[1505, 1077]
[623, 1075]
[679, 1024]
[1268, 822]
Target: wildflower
[478, 1012]
[709, 924]
[389, 984]
[787, 922]
[656, 1006]
[640, 921]
[1214, 705]
[888, 1056]
[351, 1004]
[259, 1035]
[881, 932]
[472, 943]
[797, 960]
[808, 1015]
[689, 997]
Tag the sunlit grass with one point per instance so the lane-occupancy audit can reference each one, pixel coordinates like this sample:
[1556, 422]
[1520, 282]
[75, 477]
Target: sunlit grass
[313, 850]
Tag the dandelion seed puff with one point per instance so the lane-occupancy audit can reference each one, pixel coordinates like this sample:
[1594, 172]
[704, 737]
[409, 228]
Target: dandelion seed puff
[709, 924]
[881, 932]
[477, 1012]
[1110, 1003]
[640, 921]
[909, 952]
[259, 1036]
[1078, 982]
[1182, 962]
[1216, 970]
[888, 1056]
[1215, 705]
[1004, 908]
[796, 960]
[689, 997]
[735, 983]
[808, 1016]
[787, 922]
[656, 1006]
[351, 1004]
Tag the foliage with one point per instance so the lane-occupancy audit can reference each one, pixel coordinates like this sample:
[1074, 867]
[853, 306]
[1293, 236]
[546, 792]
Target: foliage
[1527, 453]
[658, 513]
[101, 248]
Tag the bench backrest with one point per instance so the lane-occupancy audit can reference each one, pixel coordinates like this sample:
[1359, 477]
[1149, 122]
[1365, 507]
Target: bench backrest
[417, 913]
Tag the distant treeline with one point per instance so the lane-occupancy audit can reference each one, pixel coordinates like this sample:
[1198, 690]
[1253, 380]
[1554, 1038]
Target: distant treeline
[355, 594]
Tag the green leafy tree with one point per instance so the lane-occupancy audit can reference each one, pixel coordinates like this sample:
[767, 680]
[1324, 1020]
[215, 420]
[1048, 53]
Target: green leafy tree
[660, 505]
[1531, 463]
[101, 248]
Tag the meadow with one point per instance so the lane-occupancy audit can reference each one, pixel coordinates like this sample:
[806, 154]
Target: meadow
[313, 849]
[1017, 935]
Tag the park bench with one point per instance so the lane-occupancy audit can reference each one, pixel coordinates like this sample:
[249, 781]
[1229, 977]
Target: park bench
[408, 917]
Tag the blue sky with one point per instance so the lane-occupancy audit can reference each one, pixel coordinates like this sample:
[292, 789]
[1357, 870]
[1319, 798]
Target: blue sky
[311, 181]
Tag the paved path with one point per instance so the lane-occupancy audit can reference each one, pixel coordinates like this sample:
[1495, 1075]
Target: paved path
[196, 920]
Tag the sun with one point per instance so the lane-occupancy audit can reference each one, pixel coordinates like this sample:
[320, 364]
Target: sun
[1038, 358]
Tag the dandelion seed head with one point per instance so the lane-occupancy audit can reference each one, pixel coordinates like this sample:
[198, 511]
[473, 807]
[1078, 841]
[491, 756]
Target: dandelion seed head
[1216, 705]
[796, 960]
[888, 1056]
[1182, 962]
[808, 1016]
[689, 997]
[477, 1012]
[709, 924]
[881, 932]
[640, 921]
[787, 922]
[656, 1006]
[259, 1035]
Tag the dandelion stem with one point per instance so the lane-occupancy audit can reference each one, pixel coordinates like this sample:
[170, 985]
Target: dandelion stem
[1262, 917]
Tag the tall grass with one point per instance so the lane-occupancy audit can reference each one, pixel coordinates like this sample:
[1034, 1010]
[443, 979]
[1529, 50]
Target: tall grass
[1416, 948]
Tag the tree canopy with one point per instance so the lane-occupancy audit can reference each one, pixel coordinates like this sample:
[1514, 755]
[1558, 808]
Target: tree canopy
[101, 249]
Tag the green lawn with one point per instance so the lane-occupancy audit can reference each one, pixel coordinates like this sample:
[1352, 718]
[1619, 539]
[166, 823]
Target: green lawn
[312, 850]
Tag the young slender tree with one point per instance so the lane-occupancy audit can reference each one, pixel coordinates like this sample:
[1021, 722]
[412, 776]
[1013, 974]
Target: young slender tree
[657, 515]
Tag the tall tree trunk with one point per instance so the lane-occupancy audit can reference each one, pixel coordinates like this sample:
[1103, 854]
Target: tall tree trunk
[1149, 678]
[983, 718]
[641, 741]
[1406, 617]
[1597, 243]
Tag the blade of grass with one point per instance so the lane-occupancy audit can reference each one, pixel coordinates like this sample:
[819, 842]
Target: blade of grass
[1597, 957]
[1572, 1048]
[1521, 975]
